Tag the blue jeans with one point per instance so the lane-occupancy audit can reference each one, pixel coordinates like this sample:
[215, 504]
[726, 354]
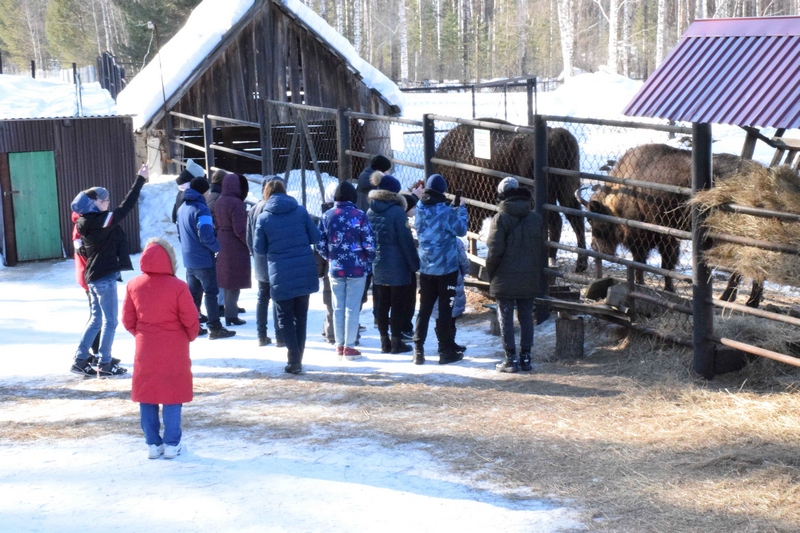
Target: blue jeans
[292, 317]
[262, 312]
[347, 294]
[152, 426]
[505, 315]
[204, 280]
[103, 319]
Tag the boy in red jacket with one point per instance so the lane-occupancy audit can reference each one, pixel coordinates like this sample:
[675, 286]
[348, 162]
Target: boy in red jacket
[160, 312]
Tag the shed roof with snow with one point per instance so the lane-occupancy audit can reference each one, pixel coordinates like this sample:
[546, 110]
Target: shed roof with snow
[743, 71]
[230, 49]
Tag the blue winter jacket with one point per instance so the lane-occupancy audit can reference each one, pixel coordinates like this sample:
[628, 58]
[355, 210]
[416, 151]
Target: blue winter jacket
[285, 234]
[196, 231]
[346, 241]
[260, 265]
[438, 227]
[396, 256]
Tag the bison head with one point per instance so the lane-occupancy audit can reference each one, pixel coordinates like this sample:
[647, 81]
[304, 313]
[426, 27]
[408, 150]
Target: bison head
[606, 236]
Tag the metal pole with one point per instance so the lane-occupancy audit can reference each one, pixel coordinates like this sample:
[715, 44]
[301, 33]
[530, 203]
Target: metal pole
[703, 312]
[75, 73]
[1, 62]
[429, 143]
[265, 125]
[540, 198]
[473, 101]
[505, 101]
[208, 141]
[33, 69]
[529, 90]
[343, 141]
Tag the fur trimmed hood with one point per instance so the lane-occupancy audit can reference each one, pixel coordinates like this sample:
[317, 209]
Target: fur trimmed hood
[381, 195]
[154, 262]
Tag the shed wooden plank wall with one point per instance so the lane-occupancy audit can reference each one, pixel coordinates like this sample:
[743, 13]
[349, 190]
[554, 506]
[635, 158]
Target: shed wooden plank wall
[274, 54]
[88, 152]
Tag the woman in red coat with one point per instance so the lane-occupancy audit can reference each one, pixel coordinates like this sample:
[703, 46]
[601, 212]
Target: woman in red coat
[160, 313]
[233, 260]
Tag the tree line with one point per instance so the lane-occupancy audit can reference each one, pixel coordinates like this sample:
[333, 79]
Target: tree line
[409, 40]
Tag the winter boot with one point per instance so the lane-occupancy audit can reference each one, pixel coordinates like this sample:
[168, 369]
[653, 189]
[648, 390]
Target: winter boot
[448, 355]
[398, 346]
[525, 362]
[264, 341]
[419, 355]
[386, 344]
[509, 363]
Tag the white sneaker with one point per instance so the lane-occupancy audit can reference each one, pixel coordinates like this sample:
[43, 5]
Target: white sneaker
[170, 452]
[156, 451]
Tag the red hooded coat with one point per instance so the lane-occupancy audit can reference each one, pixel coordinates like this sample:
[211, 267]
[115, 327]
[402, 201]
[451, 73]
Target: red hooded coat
[160, 313]
[80, 261]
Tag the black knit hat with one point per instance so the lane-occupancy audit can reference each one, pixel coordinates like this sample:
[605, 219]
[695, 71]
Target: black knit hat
[345, 192]
[379, 162]
[200, 185]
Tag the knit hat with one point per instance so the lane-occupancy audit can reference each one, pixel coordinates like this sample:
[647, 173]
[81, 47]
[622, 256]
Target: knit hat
[330, 191]
[345, 192]
[507, 184]
[381, 163]
[97, 193]
[200, 185]
[437, 183]
[218, 175]
[192, 170]
[385, 182]
[411, 200]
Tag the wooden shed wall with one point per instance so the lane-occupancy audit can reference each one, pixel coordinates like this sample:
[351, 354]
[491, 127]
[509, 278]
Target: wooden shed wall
[88, 152]
[278, 51]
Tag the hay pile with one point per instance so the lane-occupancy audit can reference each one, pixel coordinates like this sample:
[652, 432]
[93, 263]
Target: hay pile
[777, 189]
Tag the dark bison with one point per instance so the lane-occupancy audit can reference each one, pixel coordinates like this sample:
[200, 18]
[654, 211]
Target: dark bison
[513, 153]
[655, 163]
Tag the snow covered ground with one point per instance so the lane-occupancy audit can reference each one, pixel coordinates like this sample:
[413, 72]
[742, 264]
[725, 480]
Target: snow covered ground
[226, 481]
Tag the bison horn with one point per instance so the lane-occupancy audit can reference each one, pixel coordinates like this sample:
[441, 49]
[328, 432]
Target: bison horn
[578, 195]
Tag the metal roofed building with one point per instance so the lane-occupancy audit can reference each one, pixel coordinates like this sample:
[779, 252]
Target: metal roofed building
[743, 71]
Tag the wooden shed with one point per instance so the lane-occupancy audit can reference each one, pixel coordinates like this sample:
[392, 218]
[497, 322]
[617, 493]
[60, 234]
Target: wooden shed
[278, 50]
[44, 163]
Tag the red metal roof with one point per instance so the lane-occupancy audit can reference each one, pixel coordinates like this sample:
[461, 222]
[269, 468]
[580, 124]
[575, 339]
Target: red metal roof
[743, 71]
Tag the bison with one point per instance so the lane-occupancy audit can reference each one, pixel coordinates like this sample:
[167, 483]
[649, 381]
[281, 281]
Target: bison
[513, 153]
[655, 163]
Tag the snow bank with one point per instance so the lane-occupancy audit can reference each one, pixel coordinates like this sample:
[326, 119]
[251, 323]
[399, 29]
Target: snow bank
[22, 97]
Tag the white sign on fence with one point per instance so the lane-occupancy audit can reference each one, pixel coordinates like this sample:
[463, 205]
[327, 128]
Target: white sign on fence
[483, 144]
[396, 138]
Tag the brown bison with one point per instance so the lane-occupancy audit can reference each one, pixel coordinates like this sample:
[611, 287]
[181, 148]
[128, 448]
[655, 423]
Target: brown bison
[655, 163]
[513, 153]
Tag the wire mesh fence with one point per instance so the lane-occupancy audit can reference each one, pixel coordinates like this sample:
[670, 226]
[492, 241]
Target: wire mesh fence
[305, 153]
[617, 205]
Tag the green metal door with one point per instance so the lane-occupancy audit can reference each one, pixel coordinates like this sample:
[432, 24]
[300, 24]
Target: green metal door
[35, 198]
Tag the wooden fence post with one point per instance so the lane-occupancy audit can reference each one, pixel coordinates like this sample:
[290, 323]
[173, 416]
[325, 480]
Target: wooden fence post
[429, 143]
[702, 309]
[542, 312]
[343, 141]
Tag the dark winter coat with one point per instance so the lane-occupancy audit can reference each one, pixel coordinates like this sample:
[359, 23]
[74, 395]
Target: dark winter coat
[395, 254]
[177, 205]
[213, 194]
[230, 218]
[260, 264]
[159, 311]
[196, 231]
[363, 188]
[438, 227]
[285, 233]
[515, 245]
[104, 244]
[346, 241]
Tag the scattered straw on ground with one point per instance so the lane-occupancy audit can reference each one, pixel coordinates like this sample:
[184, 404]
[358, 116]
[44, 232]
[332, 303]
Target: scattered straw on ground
[628, 433]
